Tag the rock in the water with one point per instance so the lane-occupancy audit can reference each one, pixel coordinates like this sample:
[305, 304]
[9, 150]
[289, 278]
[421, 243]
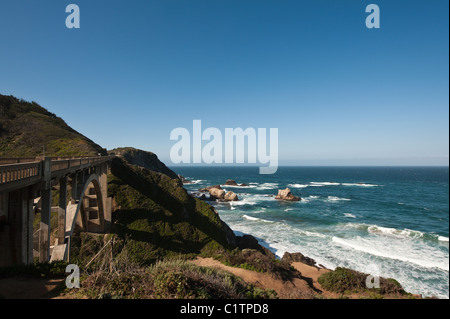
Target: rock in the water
[298, 257]
[184, 180]
[231, 197]
[285, 194]
[231, 182]
[207, 188]
[216, 193]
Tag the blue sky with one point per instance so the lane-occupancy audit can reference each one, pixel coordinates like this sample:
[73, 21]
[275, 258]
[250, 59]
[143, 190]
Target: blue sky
[339, 93]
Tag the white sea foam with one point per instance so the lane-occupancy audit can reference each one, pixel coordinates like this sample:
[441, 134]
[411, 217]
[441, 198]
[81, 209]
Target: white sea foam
[349, 215]
[405, 233]
[392, 232]
[308, 199]
[360, 184]
[267, 186]
[332, 251]
[238, 186]
[197, 181]
[442, 238]
[319, 184]
[251, 199]
[193, 181]
[256, 219]
[397, 252]
[298, 185]
[336, 199]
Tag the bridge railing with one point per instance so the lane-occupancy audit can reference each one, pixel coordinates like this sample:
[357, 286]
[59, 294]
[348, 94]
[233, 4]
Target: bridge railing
[20, 169]
[77, 163]
[14, 172]
[16, 160]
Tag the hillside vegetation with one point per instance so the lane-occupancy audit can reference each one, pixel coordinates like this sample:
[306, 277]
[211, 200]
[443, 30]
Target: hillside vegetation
[27, 129]
[159, 217]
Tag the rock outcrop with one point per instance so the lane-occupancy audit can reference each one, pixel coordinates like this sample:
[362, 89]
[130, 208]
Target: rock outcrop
[285, 194]
[184, 180]
[232, 182]
[298, 257]
[207, 188]
[145, 159]
[231, 197]
[250, 242]
[221, 195]
[216, 193]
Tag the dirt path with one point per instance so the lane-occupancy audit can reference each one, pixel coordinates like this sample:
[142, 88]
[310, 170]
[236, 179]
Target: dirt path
[295, 289]
[27, 288]
[312, 274]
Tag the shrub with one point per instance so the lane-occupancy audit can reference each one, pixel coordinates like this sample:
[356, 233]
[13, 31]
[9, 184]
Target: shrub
[343, 280]
[170, 279]
[254, 260]
[179, 278]
[36, 270]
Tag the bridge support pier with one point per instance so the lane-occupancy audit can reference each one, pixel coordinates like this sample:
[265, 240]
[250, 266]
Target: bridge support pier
[16, 217]
[46, 208]
[74, 187]
[62, 210]
[107, 201]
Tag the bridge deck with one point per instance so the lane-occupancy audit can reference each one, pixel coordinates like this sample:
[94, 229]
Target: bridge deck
[16, 173]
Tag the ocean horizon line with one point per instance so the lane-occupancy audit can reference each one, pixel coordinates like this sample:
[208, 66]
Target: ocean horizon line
[300, 165]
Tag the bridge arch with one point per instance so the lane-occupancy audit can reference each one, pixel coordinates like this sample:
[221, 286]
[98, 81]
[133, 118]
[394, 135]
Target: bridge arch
[26, 186]
[87, 211]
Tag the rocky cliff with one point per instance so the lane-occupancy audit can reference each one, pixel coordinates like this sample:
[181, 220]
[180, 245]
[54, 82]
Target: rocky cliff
[145, 159]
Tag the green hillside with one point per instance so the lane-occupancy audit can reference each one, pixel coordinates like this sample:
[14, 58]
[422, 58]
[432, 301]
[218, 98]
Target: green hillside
[159, 218]
[27, 129]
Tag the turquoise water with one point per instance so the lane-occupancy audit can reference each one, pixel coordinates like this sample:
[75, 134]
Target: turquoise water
[392, 222]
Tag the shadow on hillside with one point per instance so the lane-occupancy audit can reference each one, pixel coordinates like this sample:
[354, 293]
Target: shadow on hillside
[176, 225]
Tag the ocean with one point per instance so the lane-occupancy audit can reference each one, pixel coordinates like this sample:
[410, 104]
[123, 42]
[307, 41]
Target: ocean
[387, 221]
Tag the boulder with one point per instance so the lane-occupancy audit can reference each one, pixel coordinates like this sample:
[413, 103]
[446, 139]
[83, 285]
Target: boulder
[231, 182]
[216, 193]
[298, 257]
[248, 242]
[285, 194]
[206, 189]
[231, 197]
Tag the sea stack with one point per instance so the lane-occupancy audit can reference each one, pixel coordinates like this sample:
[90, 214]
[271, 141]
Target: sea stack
[232, 182]
[231, 197]
[216, 193]
[285, 194]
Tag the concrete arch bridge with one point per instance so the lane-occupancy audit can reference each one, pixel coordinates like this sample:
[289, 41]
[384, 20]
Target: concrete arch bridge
[27, 185]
